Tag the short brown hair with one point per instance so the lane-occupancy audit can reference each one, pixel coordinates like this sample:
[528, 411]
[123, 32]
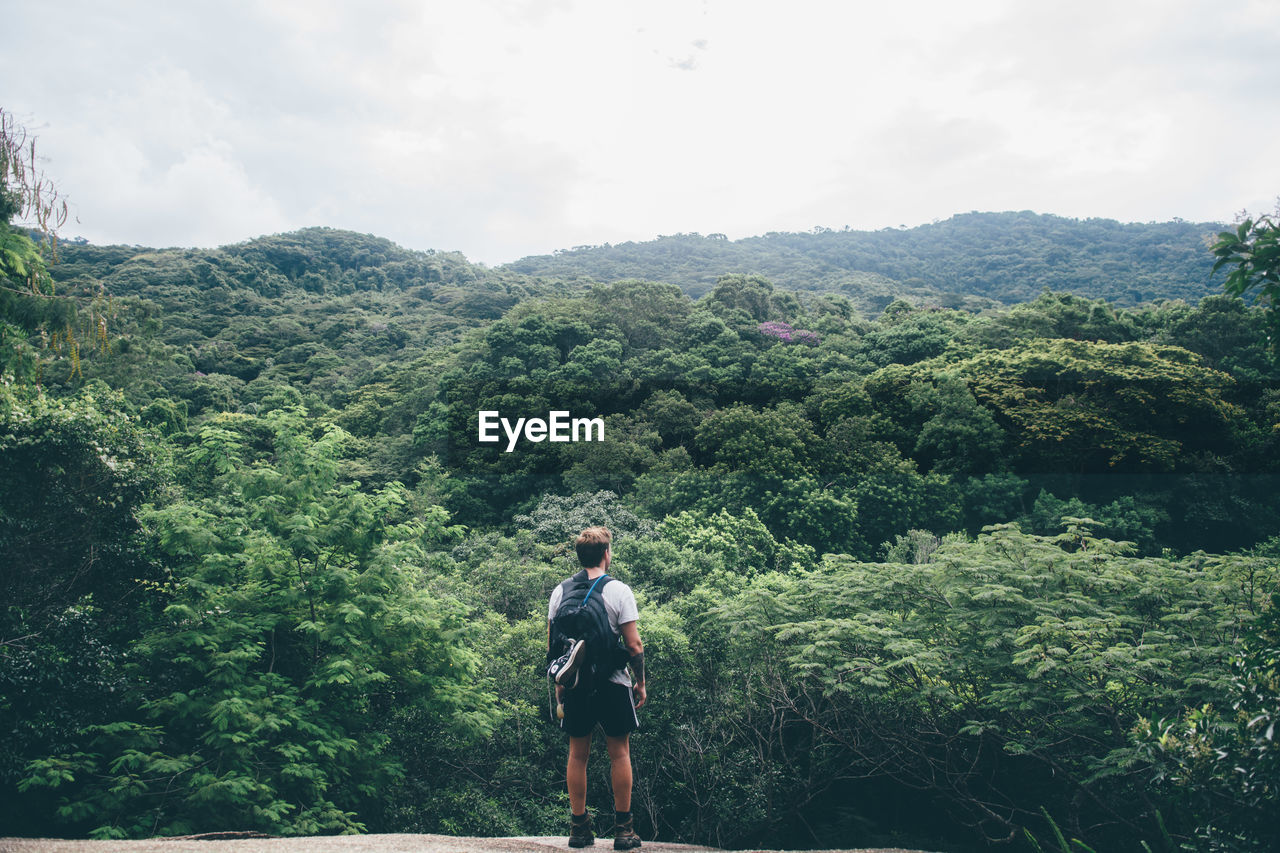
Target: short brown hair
[591, 545]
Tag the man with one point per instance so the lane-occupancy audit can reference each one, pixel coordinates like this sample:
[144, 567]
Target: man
[600, 693]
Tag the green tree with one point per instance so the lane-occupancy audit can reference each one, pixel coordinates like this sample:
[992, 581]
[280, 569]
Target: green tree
[1252, 254]
[1076, 406]
[959, 436]
[745, 544]
[628, 450]
[73, 473]
[741, 300]
[558, 520]
[75, 579]
[673, 416]
[1059, 315]
[991, 676]
[906, 336]
[296, 629]
[1220, 762]
[650, 315]
[773, 444]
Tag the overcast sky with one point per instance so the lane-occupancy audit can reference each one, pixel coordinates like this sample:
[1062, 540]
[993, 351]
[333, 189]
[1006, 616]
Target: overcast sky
[502, 128]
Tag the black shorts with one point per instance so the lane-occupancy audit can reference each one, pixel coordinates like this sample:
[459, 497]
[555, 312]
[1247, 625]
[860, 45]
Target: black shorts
[612, 705]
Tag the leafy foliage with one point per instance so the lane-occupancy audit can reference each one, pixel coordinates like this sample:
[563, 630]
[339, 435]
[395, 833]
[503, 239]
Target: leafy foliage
[992, 675]
[73, 472]
[1252, 252]
[837, 471]
[294, 624]
[1222, 762]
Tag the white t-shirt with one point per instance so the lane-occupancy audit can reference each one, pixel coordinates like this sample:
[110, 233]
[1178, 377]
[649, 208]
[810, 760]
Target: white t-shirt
[619, 603]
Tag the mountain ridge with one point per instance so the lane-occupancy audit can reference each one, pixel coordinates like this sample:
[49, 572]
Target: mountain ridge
[960, 262]
[970, 261]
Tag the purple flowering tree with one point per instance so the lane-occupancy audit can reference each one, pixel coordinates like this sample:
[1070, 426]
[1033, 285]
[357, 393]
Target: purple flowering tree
[777, 329]
[788, 335]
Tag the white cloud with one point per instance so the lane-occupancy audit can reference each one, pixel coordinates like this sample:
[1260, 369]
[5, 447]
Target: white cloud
[513, 126]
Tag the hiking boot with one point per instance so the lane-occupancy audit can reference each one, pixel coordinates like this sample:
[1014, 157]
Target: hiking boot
[567, 665]
[624, 835]
[580, 831]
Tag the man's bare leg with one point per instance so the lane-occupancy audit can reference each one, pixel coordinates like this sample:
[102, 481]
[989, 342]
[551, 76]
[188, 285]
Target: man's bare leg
[576, 773]
[619, 772]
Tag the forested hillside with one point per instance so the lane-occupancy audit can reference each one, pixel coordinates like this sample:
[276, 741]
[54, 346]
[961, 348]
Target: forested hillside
[317, 309]
[960, 262]
[925, 575]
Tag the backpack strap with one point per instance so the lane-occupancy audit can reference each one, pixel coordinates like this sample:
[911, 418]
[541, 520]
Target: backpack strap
[592, 588]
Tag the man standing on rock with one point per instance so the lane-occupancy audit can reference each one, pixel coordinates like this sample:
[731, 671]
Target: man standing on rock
[592, 638]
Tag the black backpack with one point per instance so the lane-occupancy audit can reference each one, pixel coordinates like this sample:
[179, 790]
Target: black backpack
[581, 615]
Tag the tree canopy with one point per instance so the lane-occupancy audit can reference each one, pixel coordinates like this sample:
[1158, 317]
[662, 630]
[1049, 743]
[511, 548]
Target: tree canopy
[946, 537]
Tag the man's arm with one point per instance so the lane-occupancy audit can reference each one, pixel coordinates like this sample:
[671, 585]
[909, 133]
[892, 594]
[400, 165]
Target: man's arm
[631, 639]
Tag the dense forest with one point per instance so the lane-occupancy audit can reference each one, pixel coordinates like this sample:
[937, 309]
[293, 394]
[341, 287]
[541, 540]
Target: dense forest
[912, 570]
[967, 261]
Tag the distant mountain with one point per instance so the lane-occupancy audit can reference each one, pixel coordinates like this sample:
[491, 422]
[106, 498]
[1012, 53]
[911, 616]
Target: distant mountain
[320, 309]
[319, 261]
[963, 261]
[327, 309]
